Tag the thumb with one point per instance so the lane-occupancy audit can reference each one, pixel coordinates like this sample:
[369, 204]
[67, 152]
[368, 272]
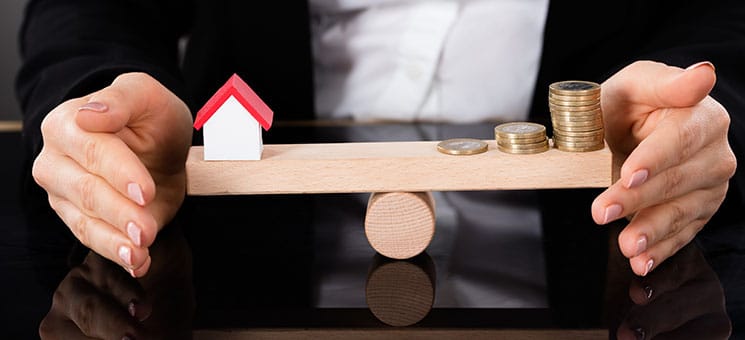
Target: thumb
[129, 97]
[661, 86]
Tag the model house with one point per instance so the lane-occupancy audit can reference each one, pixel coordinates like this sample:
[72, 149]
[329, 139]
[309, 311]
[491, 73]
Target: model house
[232, 121]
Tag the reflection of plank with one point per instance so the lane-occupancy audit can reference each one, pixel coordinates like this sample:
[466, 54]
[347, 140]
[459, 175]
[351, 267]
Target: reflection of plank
[392, 166]
[10, 125]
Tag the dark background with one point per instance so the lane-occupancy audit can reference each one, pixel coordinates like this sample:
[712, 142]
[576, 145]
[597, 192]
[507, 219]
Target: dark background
[10, 21]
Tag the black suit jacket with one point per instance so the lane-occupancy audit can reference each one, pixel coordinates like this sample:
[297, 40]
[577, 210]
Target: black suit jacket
[71, 48]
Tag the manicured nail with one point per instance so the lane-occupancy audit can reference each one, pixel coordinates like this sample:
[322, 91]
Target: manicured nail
[134, 233]
[612, 212]
[135, 193]
[131, 272]
[699, 64]
[638, 178]
[126, 255]
[640, 333]
[648, 291]
[650, 263]
[95, 107]
[641, 245]
[131, 308]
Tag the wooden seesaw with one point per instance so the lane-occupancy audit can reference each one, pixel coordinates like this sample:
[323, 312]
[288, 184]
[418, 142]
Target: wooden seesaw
[400, 218]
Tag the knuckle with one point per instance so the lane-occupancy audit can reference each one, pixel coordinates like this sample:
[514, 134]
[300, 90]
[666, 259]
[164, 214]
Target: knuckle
[673, 179]
[678, 214]
[38, 169]
[87, 188]
[83, 315]
[90, 153]
[82, 232]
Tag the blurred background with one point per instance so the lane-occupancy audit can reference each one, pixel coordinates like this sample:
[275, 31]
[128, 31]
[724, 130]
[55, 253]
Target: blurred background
[11, 12]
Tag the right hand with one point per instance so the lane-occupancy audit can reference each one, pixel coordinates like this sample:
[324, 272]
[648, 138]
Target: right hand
[113, 164]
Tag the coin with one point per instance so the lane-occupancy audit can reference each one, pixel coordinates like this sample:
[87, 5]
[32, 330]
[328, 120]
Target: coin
[574, 87]
[462, 146]
[519, 130]
[523, 152]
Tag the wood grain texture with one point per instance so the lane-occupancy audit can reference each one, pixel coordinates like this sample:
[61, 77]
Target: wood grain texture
[400, 225]
[401, 293]
[392, 166]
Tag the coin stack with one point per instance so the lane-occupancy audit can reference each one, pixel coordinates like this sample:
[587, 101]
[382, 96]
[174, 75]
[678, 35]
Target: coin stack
[576, 115]
[521, 138]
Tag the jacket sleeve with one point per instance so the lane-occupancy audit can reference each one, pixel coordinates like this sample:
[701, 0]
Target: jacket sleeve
[70, 48]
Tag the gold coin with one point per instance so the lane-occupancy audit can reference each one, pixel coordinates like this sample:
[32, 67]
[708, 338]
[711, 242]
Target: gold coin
[584, 149]
[574, 108]
[575, 118]
[595, 122]
[572, 134]
[462, 146]
[596, 138]
[523, 152]
[591, 128]
[573, 98]
[516, 130]
[539, 145]
[570, 144]
[556, 102]
[574, 88]
[509, 141]
[567, 113]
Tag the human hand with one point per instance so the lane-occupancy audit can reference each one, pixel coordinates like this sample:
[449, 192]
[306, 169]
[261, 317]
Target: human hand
[678, 160]
[96, 299]
[682, 299]
[113, 166]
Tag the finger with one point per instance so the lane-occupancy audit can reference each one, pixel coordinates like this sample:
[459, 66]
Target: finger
[95, 197]
[655, 233]
[124, 103]
[136, 107]
[706, 170]
[658, 85]
[122, 287]
[680, 135]
[99, 236]
[94, 313]
[686, 265]
[55, 327]
[100, 153]
[676, 308]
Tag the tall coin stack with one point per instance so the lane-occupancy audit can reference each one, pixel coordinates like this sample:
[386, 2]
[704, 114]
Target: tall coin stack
[521, 138]
[576, 115]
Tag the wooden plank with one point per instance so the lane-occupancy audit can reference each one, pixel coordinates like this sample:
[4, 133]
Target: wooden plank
[10, 125]
[401, 333]
[392, 166]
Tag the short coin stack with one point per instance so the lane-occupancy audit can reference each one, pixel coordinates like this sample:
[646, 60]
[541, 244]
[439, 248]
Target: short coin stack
[521, 138]
[576, 115]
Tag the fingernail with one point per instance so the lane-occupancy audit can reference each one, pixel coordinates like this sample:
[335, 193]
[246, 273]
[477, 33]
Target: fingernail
[699, 64]
[131, 272]
[638, 178]
[134, 233]
[131, 308]
[95, 107]
[641, 245]
[648, 291]
[612, 212]
[126, 255]
[650, 263]
[639, 333]
[135, 193]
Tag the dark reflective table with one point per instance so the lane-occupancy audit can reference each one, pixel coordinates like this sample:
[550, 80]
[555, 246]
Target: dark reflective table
[510, 264]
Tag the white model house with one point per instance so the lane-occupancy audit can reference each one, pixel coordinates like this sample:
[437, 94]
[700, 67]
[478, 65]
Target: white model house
[232, 120]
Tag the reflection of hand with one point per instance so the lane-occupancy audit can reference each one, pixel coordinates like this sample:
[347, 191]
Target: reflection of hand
[682, 299]
[98, 300]
[113, 166]
[678, 160]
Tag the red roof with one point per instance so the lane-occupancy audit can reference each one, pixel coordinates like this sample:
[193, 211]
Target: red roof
[236, 87]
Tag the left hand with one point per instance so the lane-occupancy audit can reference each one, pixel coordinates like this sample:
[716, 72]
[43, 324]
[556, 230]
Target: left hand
[673, 136]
